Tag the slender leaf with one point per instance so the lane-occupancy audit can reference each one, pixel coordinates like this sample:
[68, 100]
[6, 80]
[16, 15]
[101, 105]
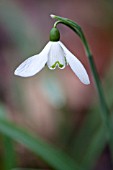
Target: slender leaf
[54, 157]
[9, 153]
[26, 169]
[90, 141]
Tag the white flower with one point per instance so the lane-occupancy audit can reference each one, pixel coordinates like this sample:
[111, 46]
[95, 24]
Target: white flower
[54, 54]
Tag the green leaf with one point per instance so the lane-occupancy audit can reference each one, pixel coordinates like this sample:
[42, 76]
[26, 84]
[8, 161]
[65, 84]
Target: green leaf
[9, 153]
[90, 141]
[53, 156]
[26, 169]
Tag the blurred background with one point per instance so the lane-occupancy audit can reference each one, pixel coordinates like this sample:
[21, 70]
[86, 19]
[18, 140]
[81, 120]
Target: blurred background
[54, 104]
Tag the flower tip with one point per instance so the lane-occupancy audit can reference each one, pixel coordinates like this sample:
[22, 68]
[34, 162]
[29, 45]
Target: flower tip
[87, 82]
[52, 16]
[15, 72]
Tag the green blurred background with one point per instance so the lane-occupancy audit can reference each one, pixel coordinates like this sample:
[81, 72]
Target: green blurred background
[54, 105]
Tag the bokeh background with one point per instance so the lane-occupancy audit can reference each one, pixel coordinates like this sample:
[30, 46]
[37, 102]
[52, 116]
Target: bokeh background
[54, 104]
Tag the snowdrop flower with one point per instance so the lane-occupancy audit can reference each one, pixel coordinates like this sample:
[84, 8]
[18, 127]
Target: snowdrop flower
[54, 54]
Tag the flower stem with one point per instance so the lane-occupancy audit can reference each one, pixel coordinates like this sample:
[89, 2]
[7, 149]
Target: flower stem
[98, 85]
[105, 114]
[105, 111]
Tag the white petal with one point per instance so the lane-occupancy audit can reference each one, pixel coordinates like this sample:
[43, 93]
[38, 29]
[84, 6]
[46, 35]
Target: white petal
[56, 56]
[34, 64]
[76, 65]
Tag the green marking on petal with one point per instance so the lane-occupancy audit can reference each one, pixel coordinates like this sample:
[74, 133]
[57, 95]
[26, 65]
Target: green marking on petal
[66, 61]
[57, 63]
[61, 65]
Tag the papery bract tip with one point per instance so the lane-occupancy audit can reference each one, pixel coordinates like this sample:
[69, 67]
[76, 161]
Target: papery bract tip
[52, 16]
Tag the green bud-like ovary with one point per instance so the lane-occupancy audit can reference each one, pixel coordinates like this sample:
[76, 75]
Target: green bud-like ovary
[54, 34]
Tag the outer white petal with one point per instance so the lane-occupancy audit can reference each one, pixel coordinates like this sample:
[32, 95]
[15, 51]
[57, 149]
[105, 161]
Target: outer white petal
[76, 65]
[56, 56]
[34, 64]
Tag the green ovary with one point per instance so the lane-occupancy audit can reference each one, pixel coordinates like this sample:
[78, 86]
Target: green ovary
[57, 63]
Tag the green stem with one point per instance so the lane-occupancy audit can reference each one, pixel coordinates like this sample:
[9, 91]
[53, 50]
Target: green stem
[105, 111]
[105, 114]
[98, 85]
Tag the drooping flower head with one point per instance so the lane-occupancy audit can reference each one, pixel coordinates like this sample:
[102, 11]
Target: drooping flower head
[54, 54]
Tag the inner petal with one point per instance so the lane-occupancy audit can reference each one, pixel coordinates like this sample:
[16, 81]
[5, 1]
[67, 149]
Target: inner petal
[56, 56]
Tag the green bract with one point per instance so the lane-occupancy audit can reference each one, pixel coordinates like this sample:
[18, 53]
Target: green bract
[54, 34]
